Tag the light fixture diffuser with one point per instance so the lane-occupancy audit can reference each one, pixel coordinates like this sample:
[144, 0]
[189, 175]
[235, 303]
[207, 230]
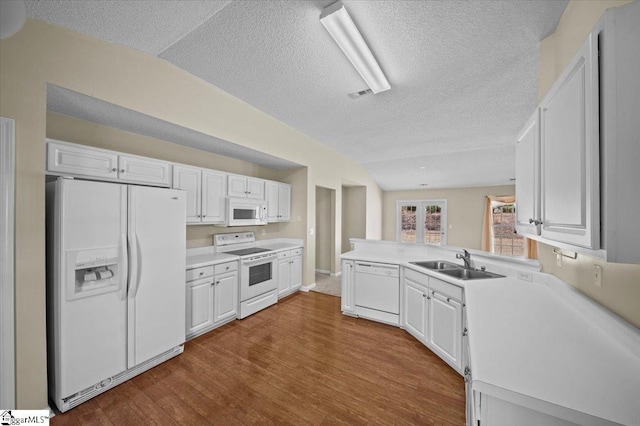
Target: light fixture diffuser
[339, 24]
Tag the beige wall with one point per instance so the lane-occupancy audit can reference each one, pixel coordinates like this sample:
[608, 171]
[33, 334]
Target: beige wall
[354, 221]
[465, 211]
[41, 53]
[620, 291]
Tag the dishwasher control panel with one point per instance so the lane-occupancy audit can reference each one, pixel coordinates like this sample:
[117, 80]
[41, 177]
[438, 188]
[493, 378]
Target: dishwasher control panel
[378, 269]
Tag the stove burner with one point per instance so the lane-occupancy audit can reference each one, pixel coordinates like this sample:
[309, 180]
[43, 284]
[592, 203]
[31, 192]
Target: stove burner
[247, 251]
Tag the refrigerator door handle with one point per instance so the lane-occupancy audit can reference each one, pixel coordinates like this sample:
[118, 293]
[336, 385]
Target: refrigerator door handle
[124, 266]
[136, 269]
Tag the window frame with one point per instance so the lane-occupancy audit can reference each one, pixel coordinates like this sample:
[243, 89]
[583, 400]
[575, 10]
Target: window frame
[495, 204]
[420, 207]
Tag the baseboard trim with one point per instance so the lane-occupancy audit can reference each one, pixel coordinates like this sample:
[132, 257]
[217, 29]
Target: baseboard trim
[307, 288]
[336, 274]
[323, 271]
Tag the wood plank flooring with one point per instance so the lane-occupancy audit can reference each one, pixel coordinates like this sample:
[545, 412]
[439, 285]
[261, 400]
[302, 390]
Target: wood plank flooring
[298, 362]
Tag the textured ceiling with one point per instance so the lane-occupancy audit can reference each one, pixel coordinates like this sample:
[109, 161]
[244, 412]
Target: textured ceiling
[463, 74]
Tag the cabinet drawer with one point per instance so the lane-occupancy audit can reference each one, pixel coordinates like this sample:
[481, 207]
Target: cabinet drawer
[226, 267]
[416, 277]
[446, 289]
[197, 273]
[296, 252]
[284, 254]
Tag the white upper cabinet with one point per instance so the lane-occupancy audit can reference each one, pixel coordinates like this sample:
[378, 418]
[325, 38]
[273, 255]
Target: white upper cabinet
[213, 196]
[589, 148]
[205, 193]
[81, 161]
[528, 177]
[570, 153]
[278, 198]
[189, 179]
[76, 160]
[143, 170]
[245, 187]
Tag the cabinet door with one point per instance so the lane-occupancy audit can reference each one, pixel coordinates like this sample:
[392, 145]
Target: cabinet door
[272, 193]
[255, 188]
[296, 272]
[64, 159]
[284, 275]
[188, 179]
[237, 186]
[213, 196]
[528, 177]
[445, 323]
[348, 287]
[225, 297]
[570, 153]
[284, 202]
[415, 309]
[143, 170]
[199, 305]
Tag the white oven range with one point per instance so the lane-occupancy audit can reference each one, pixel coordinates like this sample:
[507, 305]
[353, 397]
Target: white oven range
[258, 287]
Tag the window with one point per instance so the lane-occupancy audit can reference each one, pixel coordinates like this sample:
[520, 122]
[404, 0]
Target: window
[504, 239]
[422, 221]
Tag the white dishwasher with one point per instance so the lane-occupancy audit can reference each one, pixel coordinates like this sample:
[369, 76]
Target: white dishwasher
[377, 292]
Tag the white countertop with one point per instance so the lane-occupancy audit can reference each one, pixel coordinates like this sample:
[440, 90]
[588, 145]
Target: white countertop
[206, 256]
[525, 339]
[532, 341]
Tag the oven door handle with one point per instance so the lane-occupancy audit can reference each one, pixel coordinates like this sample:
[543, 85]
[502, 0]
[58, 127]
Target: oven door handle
[259, 260]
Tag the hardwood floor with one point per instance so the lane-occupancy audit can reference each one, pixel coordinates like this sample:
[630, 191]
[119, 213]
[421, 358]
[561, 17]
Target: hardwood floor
[298, 362]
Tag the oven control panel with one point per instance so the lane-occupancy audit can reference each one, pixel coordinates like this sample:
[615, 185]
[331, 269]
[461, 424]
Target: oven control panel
[235, 238]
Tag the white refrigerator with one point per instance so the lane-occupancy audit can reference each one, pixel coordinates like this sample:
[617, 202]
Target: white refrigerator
[115, 286]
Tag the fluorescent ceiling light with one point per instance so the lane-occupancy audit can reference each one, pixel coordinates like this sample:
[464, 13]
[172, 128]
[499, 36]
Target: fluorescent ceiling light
[339, 24]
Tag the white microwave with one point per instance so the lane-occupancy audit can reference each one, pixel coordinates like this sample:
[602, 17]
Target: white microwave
[244, 212]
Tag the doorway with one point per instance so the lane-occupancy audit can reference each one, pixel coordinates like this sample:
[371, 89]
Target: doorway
[354, 214]
[326, 281]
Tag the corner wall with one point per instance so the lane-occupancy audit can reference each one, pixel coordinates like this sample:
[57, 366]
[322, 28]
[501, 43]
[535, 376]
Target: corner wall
[620, 291]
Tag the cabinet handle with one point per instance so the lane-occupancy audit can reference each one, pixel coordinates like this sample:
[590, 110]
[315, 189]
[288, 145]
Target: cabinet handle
[448, 299]
[123, 171]
[201, 273]
[424, 295]
[535, 221]
[217, 282]
[465, 332]
[227, 268]
[114, 170]
[428, 297]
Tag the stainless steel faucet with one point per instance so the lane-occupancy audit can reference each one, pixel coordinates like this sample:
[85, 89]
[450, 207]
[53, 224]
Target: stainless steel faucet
[466, 258]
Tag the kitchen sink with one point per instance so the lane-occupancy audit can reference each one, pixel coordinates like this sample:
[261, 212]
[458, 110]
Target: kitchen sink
[436, 265]
[456, 271]
[469, 274]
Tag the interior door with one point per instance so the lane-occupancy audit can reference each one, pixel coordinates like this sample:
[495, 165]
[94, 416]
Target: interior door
[156, 296]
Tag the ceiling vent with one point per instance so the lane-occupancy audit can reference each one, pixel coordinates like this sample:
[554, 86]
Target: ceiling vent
[360, 93]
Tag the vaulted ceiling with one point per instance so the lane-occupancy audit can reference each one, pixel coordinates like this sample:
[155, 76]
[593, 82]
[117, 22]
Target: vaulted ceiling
[463, 74]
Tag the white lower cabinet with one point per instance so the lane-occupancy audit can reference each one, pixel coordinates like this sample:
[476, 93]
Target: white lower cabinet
[289, 271]
[433, 315]
[348, 287]
[445, 326]
[212, 297]
[416, 305]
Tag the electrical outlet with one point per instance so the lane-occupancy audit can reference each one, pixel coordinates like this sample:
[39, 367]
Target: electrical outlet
[525, 276]
[310, 231]
[559, 260]
[597, 276]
